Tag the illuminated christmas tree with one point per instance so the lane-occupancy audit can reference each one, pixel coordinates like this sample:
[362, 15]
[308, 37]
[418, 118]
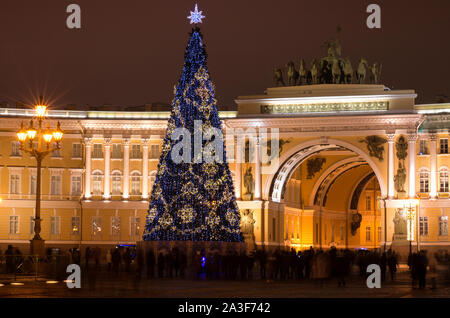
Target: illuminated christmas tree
[193, 201]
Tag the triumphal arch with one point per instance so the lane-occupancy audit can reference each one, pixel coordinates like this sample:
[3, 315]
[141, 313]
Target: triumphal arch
[358, 167]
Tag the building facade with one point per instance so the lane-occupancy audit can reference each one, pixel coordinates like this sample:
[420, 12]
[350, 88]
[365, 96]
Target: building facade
[359, 166]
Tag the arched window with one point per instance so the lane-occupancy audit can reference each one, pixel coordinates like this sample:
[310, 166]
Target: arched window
[135, 183]
[424, 176]
[443, 179]
[116, 182]
[97, 182]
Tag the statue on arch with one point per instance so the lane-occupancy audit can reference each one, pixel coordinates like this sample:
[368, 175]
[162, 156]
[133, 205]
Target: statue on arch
[292, 74]
[400, 223]
[400, 178]
[278, 77]
[249, 183]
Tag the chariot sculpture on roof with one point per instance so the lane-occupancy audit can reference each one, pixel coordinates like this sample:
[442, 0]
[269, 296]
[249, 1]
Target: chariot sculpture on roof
[330, 69]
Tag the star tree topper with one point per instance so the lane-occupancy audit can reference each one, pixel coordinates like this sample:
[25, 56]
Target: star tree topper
[196, 16]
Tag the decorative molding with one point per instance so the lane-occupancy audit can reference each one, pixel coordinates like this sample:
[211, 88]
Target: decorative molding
[324, 107]
[381, 122]
[390, 137]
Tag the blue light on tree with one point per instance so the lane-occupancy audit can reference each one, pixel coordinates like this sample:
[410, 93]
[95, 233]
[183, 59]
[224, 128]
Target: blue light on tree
[193, 201]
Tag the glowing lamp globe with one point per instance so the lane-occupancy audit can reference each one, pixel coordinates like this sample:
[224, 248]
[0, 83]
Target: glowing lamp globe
[58, 134]
[40, 111]
[22, 134]
[31, 132]
[48, 135]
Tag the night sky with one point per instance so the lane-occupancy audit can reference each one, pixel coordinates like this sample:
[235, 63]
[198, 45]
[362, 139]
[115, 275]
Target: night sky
[131, 52]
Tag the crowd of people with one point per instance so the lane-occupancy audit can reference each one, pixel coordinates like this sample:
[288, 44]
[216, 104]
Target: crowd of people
[274, 264]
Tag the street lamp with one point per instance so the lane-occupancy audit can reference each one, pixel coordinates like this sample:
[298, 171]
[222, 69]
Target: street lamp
[38, 146]
[410, 214]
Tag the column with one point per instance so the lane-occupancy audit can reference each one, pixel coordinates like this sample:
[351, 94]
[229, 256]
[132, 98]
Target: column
[433, 166]
[391, 158]
[238, 170]
[145, 168]
[126, 167]
[87, 175]
[107, 180]
[412, 138]
[258, 170]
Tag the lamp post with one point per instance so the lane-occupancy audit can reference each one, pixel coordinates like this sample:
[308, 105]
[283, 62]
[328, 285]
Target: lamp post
[410, 215]
[43, 137]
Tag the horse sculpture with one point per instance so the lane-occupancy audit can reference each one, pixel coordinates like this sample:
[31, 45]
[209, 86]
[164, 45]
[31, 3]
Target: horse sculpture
[314, 72]
[336, 71]
[292, 74]
[278, 77]
[348, 71]
[375, 73]
[361, 71]
[302, 72]
[326, 75]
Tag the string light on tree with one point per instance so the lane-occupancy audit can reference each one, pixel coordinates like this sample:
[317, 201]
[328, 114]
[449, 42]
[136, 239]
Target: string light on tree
[193, 200]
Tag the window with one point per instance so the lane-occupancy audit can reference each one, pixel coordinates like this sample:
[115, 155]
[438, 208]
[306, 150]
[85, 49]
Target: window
[14, 224]
[325, 232]
[116, 151]
[341, 233]
[116, 183]
[135, 183]
[423, 147]
[56, 153]
[54, 225]
[96, 225]
[97, 179]
[136, 151]
[423, 225]
[97, 151]
[55, 184]
[443, 180]
[115, 225]
[332, 232]
[15, 149]
[33, 184]
[368, 230]
[76, 185]
[379, 233]
[443, 225]
[424, 181]
[154, 152]
[76, 150]
[368, 203]
[443, 145]
[31, 224]
[135, 227]
[75, 225]
[14, 183]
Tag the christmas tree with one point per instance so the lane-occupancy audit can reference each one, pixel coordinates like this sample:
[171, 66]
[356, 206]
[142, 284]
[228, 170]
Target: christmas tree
[193, 200]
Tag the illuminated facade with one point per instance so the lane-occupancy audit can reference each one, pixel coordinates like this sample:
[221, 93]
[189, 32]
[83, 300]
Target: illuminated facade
[339, 180]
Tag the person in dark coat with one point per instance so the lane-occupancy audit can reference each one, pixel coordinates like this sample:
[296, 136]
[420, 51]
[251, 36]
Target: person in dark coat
[243, 264]
[161, 264]
[9, 259]
[383, 266]
[392, 263]
[422, 264]
[87, 256]
[116, 259]
[150, 260]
